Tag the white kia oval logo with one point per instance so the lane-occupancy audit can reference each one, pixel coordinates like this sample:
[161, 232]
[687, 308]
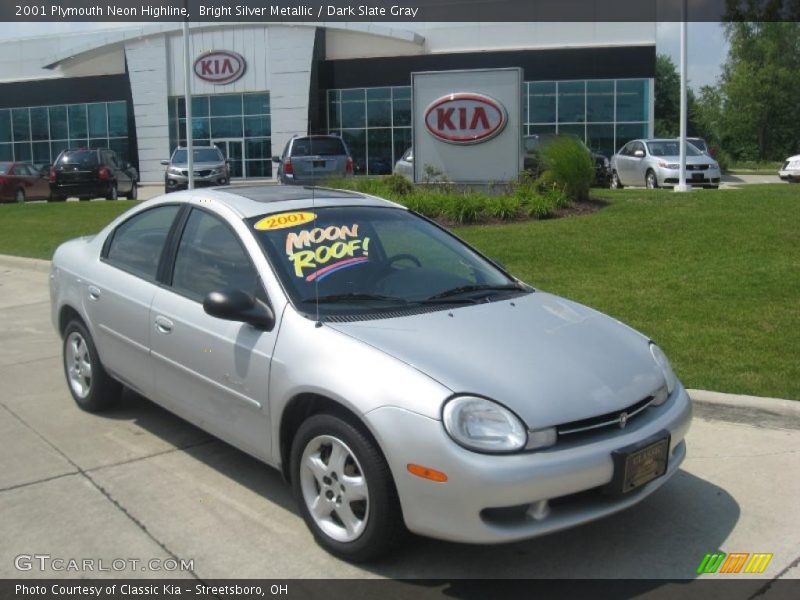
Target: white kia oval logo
[465, 118]
[219, 66]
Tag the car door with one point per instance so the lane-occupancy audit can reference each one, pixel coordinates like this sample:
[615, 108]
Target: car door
[119, 295]
[211, 371]
[40, 183]
[638, 165]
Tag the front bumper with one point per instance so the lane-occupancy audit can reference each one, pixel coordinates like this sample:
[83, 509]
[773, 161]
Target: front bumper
[568, 476]
[707, 177]
[174, 182]
[789, 175]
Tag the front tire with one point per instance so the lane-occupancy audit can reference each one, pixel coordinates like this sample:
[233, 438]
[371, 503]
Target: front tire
[91, 387]
[19, 197]
[113, 192]
[650, 180]
[134, 193]
[344, 489]
[616, 184]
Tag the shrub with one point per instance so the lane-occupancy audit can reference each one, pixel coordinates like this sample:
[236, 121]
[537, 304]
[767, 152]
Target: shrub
[568, 163]
[505, 208]
[398, 185]
[467, 208]
[539, 206]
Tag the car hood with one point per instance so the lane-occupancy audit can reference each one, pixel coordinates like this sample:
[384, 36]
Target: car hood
[199, 165]
[690, 160]
[548, 359]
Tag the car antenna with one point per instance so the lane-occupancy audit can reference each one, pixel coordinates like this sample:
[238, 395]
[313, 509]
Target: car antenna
[313, 210]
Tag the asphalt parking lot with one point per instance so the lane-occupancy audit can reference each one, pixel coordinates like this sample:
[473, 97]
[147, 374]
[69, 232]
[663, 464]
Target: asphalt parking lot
[139, 483]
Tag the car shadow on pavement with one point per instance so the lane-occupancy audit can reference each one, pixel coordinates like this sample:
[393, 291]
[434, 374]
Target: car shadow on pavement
[665, 536]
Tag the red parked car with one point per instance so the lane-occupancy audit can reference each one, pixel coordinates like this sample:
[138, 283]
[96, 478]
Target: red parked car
[23, 181]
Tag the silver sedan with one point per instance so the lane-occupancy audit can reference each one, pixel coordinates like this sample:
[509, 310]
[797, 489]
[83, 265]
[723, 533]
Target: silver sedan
[400, 380]
[656, 163]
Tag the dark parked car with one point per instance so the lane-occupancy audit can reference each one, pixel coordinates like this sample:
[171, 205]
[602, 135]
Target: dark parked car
[86, 174]
[313, 158]
[532, 162]
[23, 181]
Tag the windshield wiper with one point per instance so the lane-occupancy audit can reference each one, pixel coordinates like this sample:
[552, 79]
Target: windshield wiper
[353, 297]
[466, 289]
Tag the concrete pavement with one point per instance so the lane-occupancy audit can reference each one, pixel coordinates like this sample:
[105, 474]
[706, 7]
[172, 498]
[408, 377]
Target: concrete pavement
[139, 483]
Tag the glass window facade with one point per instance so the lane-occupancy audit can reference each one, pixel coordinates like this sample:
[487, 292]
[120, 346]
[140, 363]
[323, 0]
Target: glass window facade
[239, 124]
[605, 113]
[39, 133]
[376, 122]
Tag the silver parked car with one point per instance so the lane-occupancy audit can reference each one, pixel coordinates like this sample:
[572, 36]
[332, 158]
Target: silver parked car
[791, 169]
[313, 158]
[655, 163]
[405, 165]
[209, 166]
[399, 379]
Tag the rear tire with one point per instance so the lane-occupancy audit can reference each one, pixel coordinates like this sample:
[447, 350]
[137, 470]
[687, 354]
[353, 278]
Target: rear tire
[19, 196]
[113, 192]
[91, 387]
[337, 468]
[616, 184]
[134, 193]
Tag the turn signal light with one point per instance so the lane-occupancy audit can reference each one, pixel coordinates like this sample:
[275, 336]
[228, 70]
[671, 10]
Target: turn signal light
[104, 173]
[288, 169]
[426, 473]
[52, 175]
[349, 166]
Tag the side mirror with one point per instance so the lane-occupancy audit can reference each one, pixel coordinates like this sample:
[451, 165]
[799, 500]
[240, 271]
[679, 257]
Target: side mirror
[639, 154]
[276, 159]
[236, 305]
[165, 163]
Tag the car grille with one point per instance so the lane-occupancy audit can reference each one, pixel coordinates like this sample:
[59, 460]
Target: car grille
[204, 173]
[612, 419]
[697, 167]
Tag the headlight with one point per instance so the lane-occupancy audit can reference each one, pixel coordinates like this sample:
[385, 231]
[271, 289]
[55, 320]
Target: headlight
[669, 375]
[482, 425]
[174, 171]
[666, 165]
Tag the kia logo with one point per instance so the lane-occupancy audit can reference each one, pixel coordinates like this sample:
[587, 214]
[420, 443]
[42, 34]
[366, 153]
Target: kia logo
[219, 66]
[465, 118]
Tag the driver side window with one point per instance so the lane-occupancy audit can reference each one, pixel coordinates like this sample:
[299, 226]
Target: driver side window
[210, 257]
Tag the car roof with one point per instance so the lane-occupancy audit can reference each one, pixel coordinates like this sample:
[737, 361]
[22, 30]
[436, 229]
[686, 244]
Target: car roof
[254, 200]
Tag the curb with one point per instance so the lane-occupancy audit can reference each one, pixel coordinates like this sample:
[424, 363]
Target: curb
[775, 407]
[22, 262]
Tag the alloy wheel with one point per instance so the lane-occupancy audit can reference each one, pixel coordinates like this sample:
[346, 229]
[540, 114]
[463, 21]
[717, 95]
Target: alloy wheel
[334, 488]
[20, 196]
[79, 365]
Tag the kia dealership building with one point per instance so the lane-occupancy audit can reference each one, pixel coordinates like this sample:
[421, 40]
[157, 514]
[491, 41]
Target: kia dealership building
[256, 85]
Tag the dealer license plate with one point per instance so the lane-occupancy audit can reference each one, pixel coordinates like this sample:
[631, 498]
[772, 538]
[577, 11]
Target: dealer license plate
[634, 467]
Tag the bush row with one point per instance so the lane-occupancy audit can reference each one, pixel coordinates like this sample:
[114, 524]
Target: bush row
[529, 198]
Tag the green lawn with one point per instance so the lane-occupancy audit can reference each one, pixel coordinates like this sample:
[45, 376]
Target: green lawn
[712, 276]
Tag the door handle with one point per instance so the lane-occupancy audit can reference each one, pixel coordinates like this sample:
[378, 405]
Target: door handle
[164, 325]
[94, 293]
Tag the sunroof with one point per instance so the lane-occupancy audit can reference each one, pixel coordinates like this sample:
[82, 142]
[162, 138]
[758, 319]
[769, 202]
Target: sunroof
[283, 193]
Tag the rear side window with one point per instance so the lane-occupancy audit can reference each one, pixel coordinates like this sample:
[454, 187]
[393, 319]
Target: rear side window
[137, 243]
[318, 147]
[81, 158]
[211, 258]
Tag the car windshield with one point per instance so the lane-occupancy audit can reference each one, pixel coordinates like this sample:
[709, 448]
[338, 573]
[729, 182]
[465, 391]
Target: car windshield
[357, 260]
[83, 158]
[671, 148]
[699, 144]
[4, 167]
[318, 146]
[199, 155]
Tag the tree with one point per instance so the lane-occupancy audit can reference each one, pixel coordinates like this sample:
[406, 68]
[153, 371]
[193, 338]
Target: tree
[754, 112]
[668, 101]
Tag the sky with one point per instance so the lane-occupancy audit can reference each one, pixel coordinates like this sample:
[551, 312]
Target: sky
[707, 45]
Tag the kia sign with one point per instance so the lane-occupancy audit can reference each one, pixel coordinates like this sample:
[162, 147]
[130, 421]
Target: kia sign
[219, 66]
[465, 118]
[467, 125]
